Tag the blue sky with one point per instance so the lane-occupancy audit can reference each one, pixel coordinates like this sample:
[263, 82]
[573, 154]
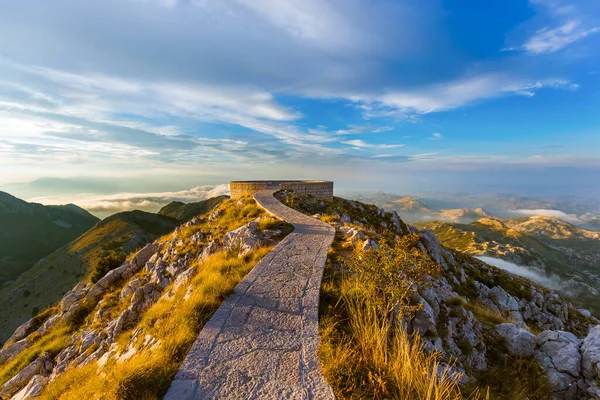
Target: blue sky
[380, 95]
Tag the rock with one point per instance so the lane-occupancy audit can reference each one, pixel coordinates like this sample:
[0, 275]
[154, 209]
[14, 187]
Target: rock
[184, 278]
[518, 341]
[590, 351]
[243, 239]
[42, 330]
[143, 256]
[369, 244]
[17, 382]
[209, 250]
[424, 319]
[71, 298]
[503, 300]
[75, 307]
[215, 214]
[131, 287]
[355, 236]
[585, 313]
[345, 218]
[437, 252]
[558, 354]
[88, 338]
[8, 353]
[197, 237]
[32, 389]
[23, 331]
[111, 277]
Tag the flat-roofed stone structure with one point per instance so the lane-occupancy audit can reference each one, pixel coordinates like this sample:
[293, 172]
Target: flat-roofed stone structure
[319, 189]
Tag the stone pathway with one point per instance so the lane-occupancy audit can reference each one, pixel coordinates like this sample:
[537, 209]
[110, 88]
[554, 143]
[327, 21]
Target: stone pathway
[262, 342]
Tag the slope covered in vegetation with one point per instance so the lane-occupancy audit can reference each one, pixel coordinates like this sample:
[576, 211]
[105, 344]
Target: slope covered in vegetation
[403, 317]
[186, 211]
[551, 248]
[31, 231]
[125, 336]
[45, 283]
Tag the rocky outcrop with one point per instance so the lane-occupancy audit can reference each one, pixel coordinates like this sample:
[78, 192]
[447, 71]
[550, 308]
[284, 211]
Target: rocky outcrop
[243, 239]
[32, 389]
[41, 366]
[139, 282]
[517, 341]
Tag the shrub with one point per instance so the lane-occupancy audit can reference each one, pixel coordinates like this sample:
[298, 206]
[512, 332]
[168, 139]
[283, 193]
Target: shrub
[391, 273]
[107, 263]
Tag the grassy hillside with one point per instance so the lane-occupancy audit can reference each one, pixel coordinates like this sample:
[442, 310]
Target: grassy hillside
[52, 276]
[147, 351]
[186, 211]
[31, 231]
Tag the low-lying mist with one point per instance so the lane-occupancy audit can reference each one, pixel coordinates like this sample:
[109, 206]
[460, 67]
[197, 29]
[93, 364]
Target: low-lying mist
[551, 282]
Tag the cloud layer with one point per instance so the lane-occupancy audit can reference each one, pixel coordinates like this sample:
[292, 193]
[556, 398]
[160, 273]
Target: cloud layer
[105, 205]
[552, 282]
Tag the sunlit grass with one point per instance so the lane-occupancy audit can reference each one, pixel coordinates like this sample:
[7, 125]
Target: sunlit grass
[363, 356]
[175, 323]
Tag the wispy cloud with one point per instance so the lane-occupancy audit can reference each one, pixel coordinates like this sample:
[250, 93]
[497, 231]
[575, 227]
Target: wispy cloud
[361, 143]
[436, 136]
[453, 94]
[565, 24]
[551, 40]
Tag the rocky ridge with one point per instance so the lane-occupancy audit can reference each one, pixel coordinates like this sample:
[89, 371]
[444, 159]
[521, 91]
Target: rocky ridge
[476, 315]
[97, 314]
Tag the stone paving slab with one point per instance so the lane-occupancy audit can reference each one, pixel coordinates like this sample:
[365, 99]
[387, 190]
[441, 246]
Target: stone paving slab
[262, 342]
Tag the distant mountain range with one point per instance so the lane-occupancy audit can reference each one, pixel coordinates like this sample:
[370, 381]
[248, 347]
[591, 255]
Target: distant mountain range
[466, 208]
[31, 231]
[555, 253]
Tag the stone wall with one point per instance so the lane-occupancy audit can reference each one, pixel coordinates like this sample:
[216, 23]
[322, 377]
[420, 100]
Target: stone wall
[319, 189]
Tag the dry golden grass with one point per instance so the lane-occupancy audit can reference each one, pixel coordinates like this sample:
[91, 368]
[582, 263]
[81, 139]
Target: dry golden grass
[363, 356]
[175, 323]
[53, 343]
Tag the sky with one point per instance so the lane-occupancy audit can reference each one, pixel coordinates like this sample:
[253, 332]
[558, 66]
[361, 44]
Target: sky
[110, 96]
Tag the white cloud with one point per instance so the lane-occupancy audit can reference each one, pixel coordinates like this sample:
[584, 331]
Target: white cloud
[562, 24]
[362, 143]
[551, 40]
[548, 213]
[453, 94]
[551, 282]
[104, 205]
[436, 136]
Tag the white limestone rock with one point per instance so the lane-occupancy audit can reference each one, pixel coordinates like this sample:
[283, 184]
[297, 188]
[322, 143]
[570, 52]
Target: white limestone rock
[517, 341]
[590, 351]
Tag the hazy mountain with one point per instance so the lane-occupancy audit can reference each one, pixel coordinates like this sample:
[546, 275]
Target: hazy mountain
[30, 231]
[464, 214]
[555, 252]
[52, 276]
[185, 211]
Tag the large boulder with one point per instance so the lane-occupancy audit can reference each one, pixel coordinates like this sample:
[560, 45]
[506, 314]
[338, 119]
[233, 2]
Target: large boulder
[517, 341]
[558, 354]
[590, 352]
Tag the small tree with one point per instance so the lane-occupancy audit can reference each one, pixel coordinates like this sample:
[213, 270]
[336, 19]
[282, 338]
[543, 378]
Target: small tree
[391, 273]
[106, 264]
